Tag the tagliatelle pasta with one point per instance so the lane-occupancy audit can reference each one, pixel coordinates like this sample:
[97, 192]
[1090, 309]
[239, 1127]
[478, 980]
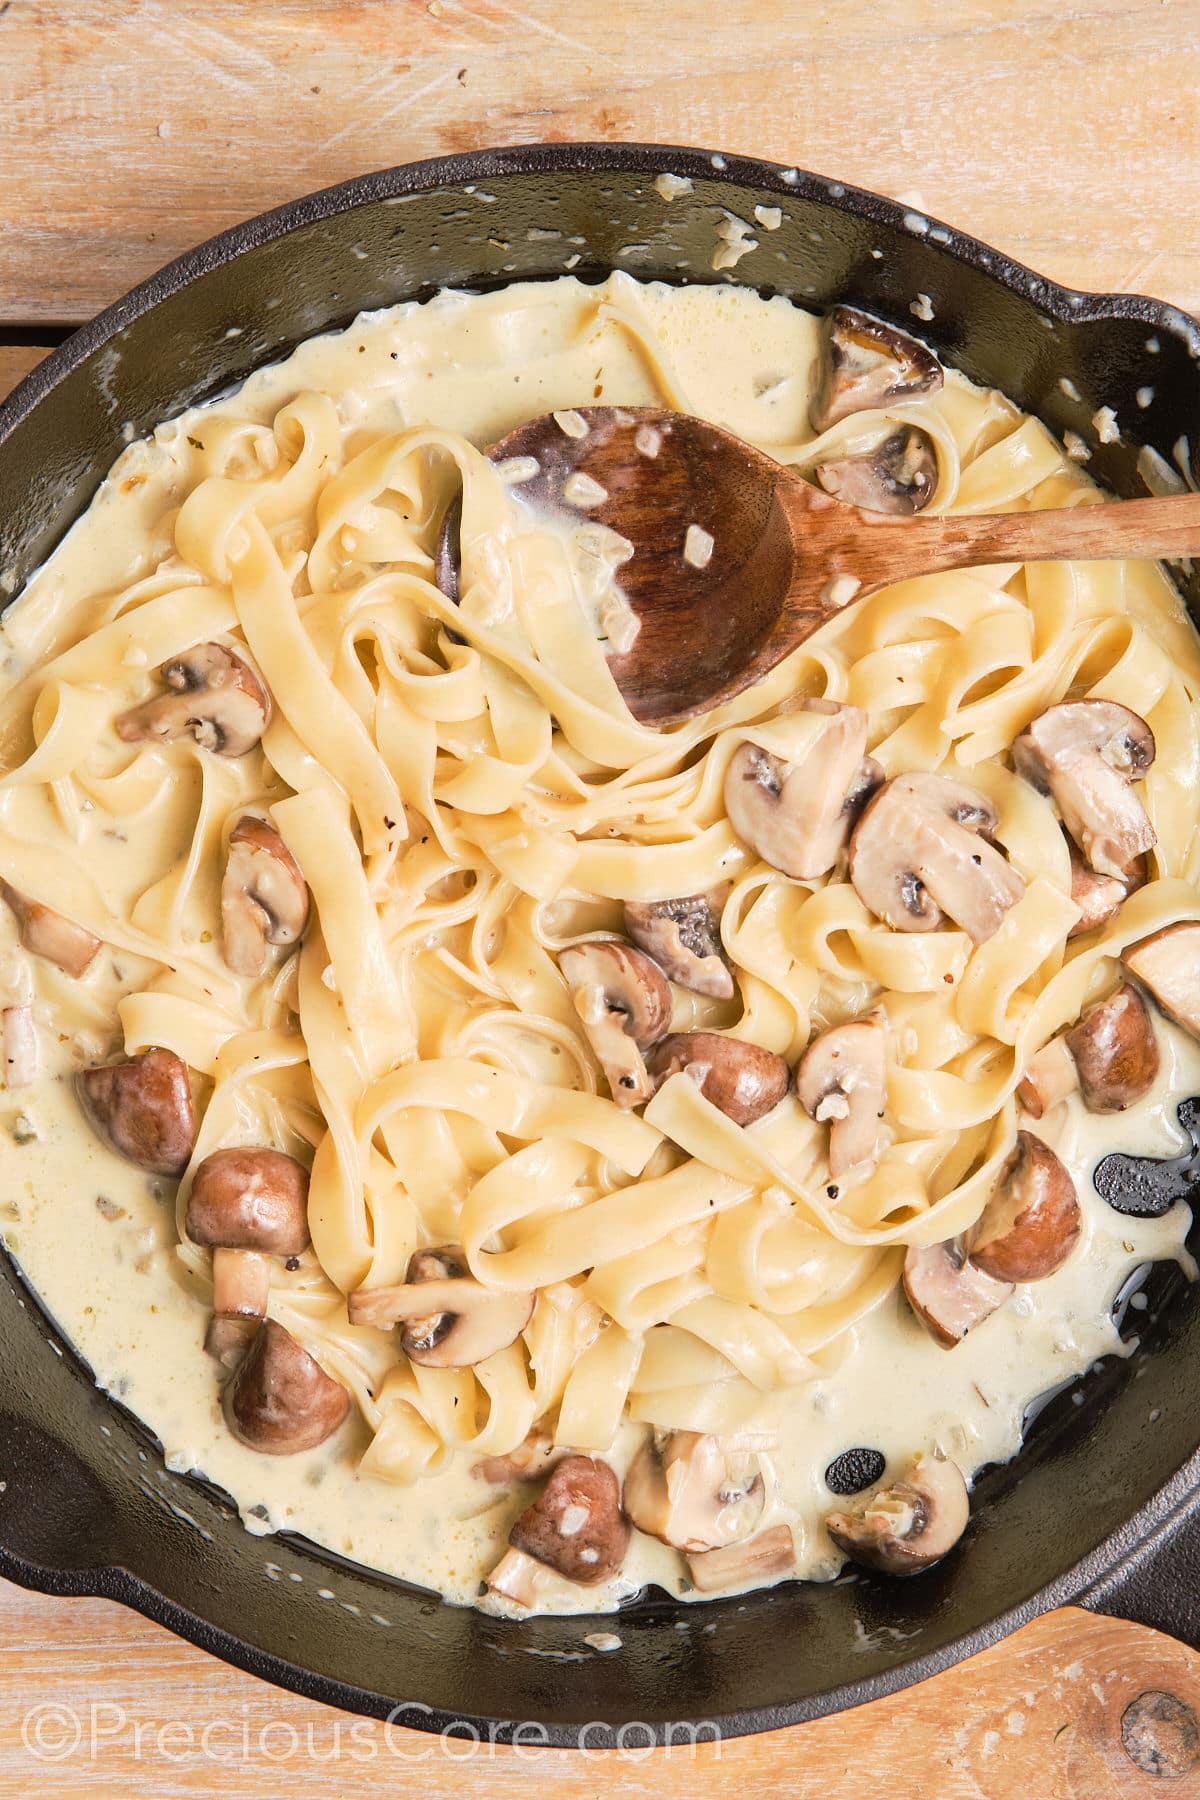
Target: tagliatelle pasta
[466, 794]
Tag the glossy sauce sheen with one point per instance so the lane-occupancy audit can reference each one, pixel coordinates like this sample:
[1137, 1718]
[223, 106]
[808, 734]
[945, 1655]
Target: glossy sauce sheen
[97, 1238]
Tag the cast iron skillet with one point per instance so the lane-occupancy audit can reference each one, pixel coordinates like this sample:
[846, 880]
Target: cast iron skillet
[1103, 1502]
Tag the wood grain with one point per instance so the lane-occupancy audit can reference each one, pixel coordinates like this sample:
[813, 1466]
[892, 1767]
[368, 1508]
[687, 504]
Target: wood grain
[1039, 1716]
[130, 129]
[16, 360]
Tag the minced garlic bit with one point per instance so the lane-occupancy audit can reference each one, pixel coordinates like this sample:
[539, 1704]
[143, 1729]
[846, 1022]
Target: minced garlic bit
[698, 547]
[734, 240]
[603, 1640]
[1104, 422]
[580, 490]
[671, 187]
[515, 469]
[1076, 449]
[647, 440]
[769, 217]
[841, 590]
[571, 422]
[1067, 386]
[618, 622]
[921, 308]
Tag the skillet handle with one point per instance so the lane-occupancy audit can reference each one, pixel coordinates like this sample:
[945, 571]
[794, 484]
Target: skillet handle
[54, 1514]
[1158, 1582]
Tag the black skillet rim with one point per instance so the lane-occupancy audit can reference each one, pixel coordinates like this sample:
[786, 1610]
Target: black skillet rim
[1139, 1535]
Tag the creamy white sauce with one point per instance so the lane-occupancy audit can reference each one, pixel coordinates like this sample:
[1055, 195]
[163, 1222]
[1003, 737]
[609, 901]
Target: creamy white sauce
[97, 1237]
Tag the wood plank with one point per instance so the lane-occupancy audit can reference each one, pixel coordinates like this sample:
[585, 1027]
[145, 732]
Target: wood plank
[1039, 1715]
[130, 129]
[16, 360]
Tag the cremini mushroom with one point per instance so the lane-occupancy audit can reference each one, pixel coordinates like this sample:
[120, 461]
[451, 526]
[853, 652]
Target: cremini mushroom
[47, 933]
[533, 1457]
[264, 897]
[1115, 1051]
[1168, 963]
[684, 938]
[797, 816]
[921, 851]
[1100, 897]
[215, 697]
[841, 1081]
[1032, 1221]
[142, 1107]
[1086, 754]
[906, 1525]
[947, 1292]
[624, 1004]
[692, 1491]
[280, 1400]
[897, 475]
[1050, 1076]
[867, 364]
[756, 1559]
[576, 1526]
[246, 1205]
[450, 1320]
[742, 1080]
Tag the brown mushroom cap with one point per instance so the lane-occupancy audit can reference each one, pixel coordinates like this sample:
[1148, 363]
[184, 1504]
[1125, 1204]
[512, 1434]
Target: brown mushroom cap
[142, 1107]
[215, 697]
[264, 897]
[1115, 1051]
[688, 1489]
[44, 932]
[1032, 1220]
[281, 1400]
[947, 1292]
[576, 1526]
[906, 1525]
[624, 1004]
[898, 475]
[684, 938]
[451, 1321]
[1086, 754]
[756, 1560]
[250, 1199]
[920, 852]
[841, 1079]
[743, 1080]
[1168, 963]
[868, 364]
[796, 817]
[1100, 897]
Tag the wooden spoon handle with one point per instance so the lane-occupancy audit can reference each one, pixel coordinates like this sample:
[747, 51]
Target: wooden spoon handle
[1152, 528]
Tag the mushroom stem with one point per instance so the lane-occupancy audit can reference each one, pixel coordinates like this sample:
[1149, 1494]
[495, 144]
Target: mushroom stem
[47, 933]
[755, 1560]
[20, 1046]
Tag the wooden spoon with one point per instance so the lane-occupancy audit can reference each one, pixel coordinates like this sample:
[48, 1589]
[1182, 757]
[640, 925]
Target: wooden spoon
[786, 556]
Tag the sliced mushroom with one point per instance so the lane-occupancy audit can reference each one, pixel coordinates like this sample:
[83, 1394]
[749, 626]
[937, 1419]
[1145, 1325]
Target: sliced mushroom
[690, 1490]
[215, 697]
[264, 897]
[1032, 1220]
[624, 1003]
[907, 1525]
[1086, 754]
[250, 1199]
[756, 1560]
[18, 1031]
[684, 938]
[1168, 963]
[518, 1577]
[841, 1080]
[281, 1400]
[142, 1107]
[241, 1290]
[948, 1293]
[1100, 897]
[743, 1080]
[899, 475]
[533, 1457]
[47, 933]
[797, 816]
[576, 1526]
[1115, 1051]
[921, 851]
[868, 364]
[451, 1321]
[1050, 1077]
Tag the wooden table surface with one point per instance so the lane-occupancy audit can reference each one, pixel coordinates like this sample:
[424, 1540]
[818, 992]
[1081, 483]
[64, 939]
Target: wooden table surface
[130, 129]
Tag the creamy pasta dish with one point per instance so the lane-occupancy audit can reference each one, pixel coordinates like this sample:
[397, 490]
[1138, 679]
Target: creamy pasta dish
[534, 1153]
